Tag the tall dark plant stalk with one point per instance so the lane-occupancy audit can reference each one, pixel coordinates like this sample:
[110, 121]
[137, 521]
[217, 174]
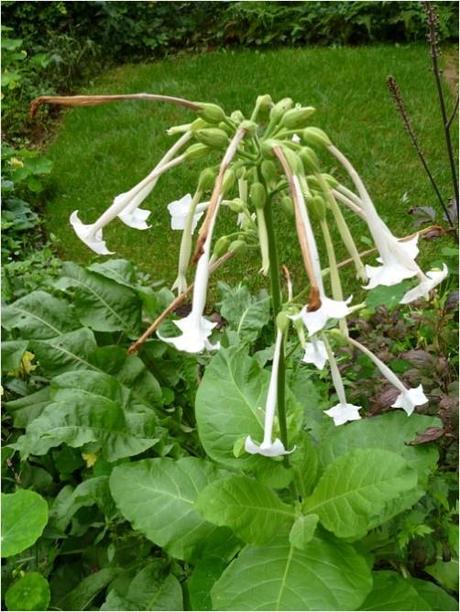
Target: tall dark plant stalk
[432, 20]
[401, 108]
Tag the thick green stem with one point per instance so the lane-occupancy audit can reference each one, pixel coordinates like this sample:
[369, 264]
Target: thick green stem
[277, 303]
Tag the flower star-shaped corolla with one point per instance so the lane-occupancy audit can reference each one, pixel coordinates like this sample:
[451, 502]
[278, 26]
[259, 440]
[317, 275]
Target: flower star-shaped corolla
[315, 353]
[407, 399]
[343, 411]
[179, 210]
[269, 448]
[431, 280]
[194, 327]
[315, 320]
[90, 234]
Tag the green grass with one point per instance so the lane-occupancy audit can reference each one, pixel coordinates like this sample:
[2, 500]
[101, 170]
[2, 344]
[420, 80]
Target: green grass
[102, 151]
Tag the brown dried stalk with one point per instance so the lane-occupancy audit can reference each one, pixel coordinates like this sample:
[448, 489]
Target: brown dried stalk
[107, 99]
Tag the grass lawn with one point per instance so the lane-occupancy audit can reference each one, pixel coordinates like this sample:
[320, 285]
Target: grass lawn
[102, 151]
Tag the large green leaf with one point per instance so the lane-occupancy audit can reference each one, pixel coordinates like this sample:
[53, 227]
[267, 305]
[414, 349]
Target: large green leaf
[39, 315]
[121, 271]
[82, 595]
[356, 488]
[393, 592]
[230, 405]
[82, 417]
[246, 314]
[158, 497]
[25, 409]
[66, 352]
[252, 510]
[24, 516]
[88, 383]
[100, 302]
[303, 530]
[30, 592]
[445, 572]
[12, 352]
[325, 575]
[392, 432]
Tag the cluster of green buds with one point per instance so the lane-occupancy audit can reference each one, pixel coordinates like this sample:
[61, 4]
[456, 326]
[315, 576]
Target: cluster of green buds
[270, 160]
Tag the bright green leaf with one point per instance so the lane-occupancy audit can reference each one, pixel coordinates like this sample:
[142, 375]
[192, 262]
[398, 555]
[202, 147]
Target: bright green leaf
[445, 572]
[30, 592]
[252, 510]
[24, 516]
[82, 595]
[245, 314]
[66, 352]
[355, 489]
[303, 530]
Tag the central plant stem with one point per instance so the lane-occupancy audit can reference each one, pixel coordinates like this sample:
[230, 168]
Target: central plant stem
[277, 303]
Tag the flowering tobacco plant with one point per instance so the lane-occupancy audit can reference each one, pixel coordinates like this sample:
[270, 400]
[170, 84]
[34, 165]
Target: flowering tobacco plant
[273, 494]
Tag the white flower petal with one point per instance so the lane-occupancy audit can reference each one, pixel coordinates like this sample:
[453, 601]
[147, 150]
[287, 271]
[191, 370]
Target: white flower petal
[316, 353]
[387, 274]
[92, 239]
[274, 449]
[315, 320]
[409, 399]
[432, 279]
[135, 218]
[179, 211]
[296, 138]
[194, 337]
[342, 413]
[409, 246]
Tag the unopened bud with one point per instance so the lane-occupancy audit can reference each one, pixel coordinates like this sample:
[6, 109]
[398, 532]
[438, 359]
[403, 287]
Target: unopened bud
[258, 195]
[221, 246]
[269, 171]
[293, 160]
[288, 205]
[318, 207]
[213, 137]
[282, 322]
[249, 126]
[236, 205]
[197, 151]
[198, 124]
[237, 116]
[236, 246]
[296, 118]
[267, 146]
[211, 113]
[280, 108]
[309, 159]
[314, 183]
[229, 181]
[315, 136]
[206, 180]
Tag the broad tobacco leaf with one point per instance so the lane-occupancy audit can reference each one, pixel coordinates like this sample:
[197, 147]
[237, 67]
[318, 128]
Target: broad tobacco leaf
[101, 303]
[24, 516]
[25, 409]
[66, 352]
[230, 405]
[81, 597]
[39, 315]
[158, 497]
[12, 352]
[252, 510]
[303, 530]
[355, 489]
[393, 592]
[325, 575]
[246, 314]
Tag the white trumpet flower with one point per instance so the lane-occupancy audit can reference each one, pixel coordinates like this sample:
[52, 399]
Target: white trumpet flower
[315, 353]
[431, 280]
[269, 448]
[179, 210]
[343, 411]
[408, 399]
[195, 328]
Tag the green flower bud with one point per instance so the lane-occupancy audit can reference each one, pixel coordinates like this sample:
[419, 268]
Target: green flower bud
[236, 246]
[315, 184]
[237, 116]
[293, 160]
[330, 180]
[198, 124]
[282, 322]
[309, 159]
[315, 136]
[258, 195]
[213, 137]
[236, 205]
[318, 207]
[264, 101]
[266, 146]
[280, 108]
[229, 181]
[296, 118]
[288, 205]
[197, 151]
[206, 180]
[211, 113]
[226, 128]
[221, 246]
[249, 126]
[269, 171]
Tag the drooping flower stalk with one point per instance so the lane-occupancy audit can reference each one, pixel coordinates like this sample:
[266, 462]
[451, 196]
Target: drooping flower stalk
[351, 204]
[269, 447]
[408, 399]
[343, 411]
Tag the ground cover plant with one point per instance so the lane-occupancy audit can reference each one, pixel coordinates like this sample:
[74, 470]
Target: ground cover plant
[122, 144]
[274, 492]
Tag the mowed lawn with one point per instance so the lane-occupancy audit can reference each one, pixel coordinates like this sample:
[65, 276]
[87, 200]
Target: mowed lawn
[99, 152]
